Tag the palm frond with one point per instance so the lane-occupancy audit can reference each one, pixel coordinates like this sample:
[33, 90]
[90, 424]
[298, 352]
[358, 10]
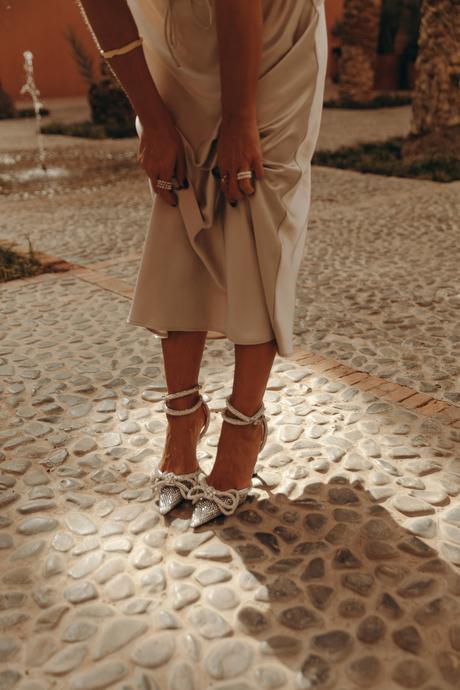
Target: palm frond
[83, 60]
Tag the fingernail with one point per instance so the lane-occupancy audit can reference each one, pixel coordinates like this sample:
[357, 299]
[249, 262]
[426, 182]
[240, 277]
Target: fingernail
[233, 203]
[185, 184]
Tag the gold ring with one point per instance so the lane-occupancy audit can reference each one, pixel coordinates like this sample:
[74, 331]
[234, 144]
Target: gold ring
[164, 184]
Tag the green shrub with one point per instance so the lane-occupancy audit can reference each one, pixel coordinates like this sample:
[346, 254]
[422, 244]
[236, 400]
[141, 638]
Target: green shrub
[30, 112]
[7, 108]
[108, 102]
[383, 100]
[385, 158]
[89, 130]
[14, 265]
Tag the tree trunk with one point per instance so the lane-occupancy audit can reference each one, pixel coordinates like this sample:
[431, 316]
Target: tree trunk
[436, 100]
[361, 22]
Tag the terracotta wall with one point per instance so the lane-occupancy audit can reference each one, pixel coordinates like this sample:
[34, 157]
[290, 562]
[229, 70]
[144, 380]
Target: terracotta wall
[39, 25]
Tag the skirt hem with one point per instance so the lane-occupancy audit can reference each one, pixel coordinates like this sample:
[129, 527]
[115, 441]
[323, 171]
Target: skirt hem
[211, 333]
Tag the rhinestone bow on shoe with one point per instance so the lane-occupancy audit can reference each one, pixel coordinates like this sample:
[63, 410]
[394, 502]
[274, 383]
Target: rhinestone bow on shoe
[211, 502]
[173, 488]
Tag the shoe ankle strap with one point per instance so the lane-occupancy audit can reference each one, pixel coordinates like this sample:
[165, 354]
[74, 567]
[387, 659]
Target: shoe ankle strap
[181, 394]
[242, 418]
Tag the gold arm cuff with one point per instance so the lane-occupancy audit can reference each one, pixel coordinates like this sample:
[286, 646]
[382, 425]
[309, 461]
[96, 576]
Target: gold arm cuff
[123, 49]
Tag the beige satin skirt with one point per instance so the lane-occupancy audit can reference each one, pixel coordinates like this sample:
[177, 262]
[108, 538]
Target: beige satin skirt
[205, 265]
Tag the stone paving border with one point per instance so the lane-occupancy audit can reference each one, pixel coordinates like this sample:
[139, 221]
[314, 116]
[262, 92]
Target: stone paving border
[383, 388]
[411, 399]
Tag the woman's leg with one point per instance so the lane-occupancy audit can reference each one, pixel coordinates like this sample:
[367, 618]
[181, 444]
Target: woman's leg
[182, 354]
[239, 445]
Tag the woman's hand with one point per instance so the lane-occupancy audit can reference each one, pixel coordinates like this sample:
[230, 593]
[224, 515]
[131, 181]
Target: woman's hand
[161, 154]
[238, 149]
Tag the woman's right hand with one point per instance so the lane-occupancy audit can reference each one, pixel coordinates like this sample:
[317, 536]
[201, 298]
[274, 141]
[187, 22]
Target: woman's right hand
[161, 154]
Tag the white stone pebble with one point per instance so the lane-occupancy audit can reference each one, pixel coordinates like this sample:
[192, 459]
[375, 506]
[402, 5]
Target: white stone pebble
[123, 544]
[229, 658]
[80, 523]
[35, 525]
[79, 631]
[183, 595]
[119, 587]
[82, 591]
[53, 565]
[85, 565]
[222, 597]
[146, 520]
[186, 543]
[84, 445]
[209, 623]
[116, 635]
[109, 570]
[411, 506]
[66, 660]
[109, 528]
[143, 557]
[154, 651]
[214, 552]
[110, 439]
[211, 576]
[99, 676]
[178, 570]
[87, 544]
[154, 579]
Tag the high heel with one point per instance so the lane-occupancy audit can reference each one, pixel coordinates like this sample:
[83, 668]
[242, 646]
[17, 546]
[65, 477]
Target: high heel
[211, 502]
[173, 488]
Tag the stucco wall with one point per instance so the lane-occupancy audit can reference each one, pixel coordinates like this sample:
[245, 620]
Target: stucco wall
[39, 25]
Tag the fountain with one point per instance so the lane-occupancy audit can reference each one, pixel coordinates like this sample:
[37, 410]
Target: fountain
[85, 168]
[28, 176]
[31, 88]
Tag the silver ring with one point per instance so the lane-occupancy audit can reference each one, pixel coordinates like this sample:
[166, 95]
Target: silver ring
[244, 174]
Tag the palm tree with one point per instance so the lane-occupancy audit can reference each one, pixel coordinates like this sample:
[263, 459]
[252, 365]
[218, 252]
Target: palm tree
[436, 100]
[360, 32]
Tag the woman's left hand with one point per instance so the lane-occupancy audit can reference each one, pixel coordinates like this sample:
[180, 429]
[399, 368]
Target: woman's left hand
[238, 149]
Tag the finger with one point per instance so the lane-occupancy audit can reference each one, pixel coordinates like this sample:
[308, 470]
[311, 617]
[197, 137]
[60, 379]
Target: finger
[234, 193]
[181, 171]
[258, 168]
[246, 186]
[167, 195]
[167, 174]
[223, 180]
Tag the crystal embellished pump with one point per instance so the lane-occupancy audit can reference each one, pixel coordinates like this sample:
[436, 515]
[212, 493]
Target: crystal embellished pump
[210, 502]
[173, 488]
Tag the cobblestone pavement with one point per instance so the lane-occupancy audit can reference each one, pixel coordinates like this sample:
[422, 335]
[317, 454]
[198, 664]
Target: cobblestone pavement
[378, 287]
[342, 569]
